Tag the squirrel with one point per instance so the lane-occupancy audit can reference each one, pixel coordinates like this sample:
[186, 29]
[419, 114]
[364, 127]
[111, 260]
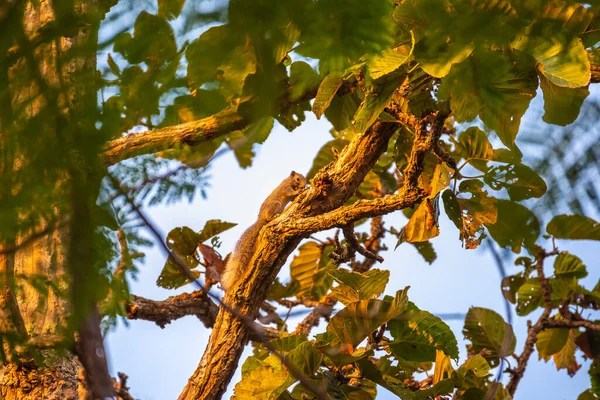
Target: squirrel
[273, 205]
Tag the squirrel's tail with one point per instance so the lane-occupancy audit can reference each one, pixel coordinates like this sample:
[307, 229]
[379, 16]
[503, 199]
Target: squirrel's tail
[241, 256]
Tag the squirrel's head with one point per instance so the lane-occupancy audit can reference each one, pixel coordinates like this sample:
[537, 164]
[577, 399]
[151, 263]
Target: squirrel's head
[298, 181]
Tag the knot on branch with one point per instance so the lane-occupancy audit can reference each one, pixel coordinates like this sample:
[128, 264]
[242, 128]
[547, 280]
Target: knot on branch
[346, 253]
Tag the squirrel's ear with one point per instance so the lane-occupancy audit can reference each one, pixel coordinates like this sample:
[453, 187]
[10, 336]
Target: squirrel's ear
[293, 173]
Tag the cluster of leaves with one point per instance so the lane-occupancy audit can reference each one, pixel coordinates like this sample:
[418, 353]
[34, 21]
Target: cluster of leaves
[382, 342]
[372, 342]
[190, 248]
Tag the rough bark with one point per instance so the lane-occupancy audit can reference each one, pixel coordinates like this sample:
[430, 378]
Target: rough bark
[40, 83]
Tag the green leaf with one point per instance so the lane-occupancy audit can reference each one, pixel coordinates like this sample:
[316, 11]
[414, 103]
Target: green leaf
[487, 330]
[437, 59]
[302, 79]
[529, 296]
[569, 265]
[391, 59]
[561, 105]
[515, 226]
[277, 291]
[452, 208]
[327, 90]
[417, 334]
[574, 227]
[374, 104]
[520, 181]
[114, 68]
[476, 364]
[562, 58]
[205, 54]
[356, 321]
[288, 343]
[510, 286]
[305, 265]
[325, 156]
[489, 85]
[213, 227]
[170, 9]
[338, 34]
[565, 357]
[306, 358]
[287, 40]
[183, 240]
[551, 341]
[473, 144]
[341, 111]
[171, 276]
[441, 388]
[594, 373]
[266, 382]
[373, 373]
[587, 395]
[354, 286]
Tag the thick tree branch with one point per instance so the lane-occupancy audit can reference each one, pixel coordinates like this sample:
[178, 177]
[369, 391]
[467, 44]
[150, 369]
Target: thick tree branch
[189, 133]
[196, 303]
[174, 307]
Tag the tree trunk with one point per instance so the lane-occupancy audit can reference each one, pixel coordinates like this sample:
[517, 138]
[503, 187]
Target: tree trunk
[27, 86]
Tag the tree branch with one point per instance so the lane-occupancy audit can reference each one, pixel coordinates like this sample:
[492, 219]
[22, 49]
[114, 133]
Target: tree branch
[540, 325]
[189, 133]
[175, 307]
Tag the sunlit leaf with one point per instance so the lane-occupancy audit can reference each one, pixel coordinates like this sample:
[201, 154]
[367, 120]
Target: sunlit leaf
[391, 59]
[569, 265]
[561, 105]
[213, 227]
[305, 265]
[551, 341]
[354, 286]
[574, 227]
[474, 145]
[529, 296]
[477, 364]
[562, 58]
[267, 381]
[423, 224]
[565, 357]
[355, 322]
